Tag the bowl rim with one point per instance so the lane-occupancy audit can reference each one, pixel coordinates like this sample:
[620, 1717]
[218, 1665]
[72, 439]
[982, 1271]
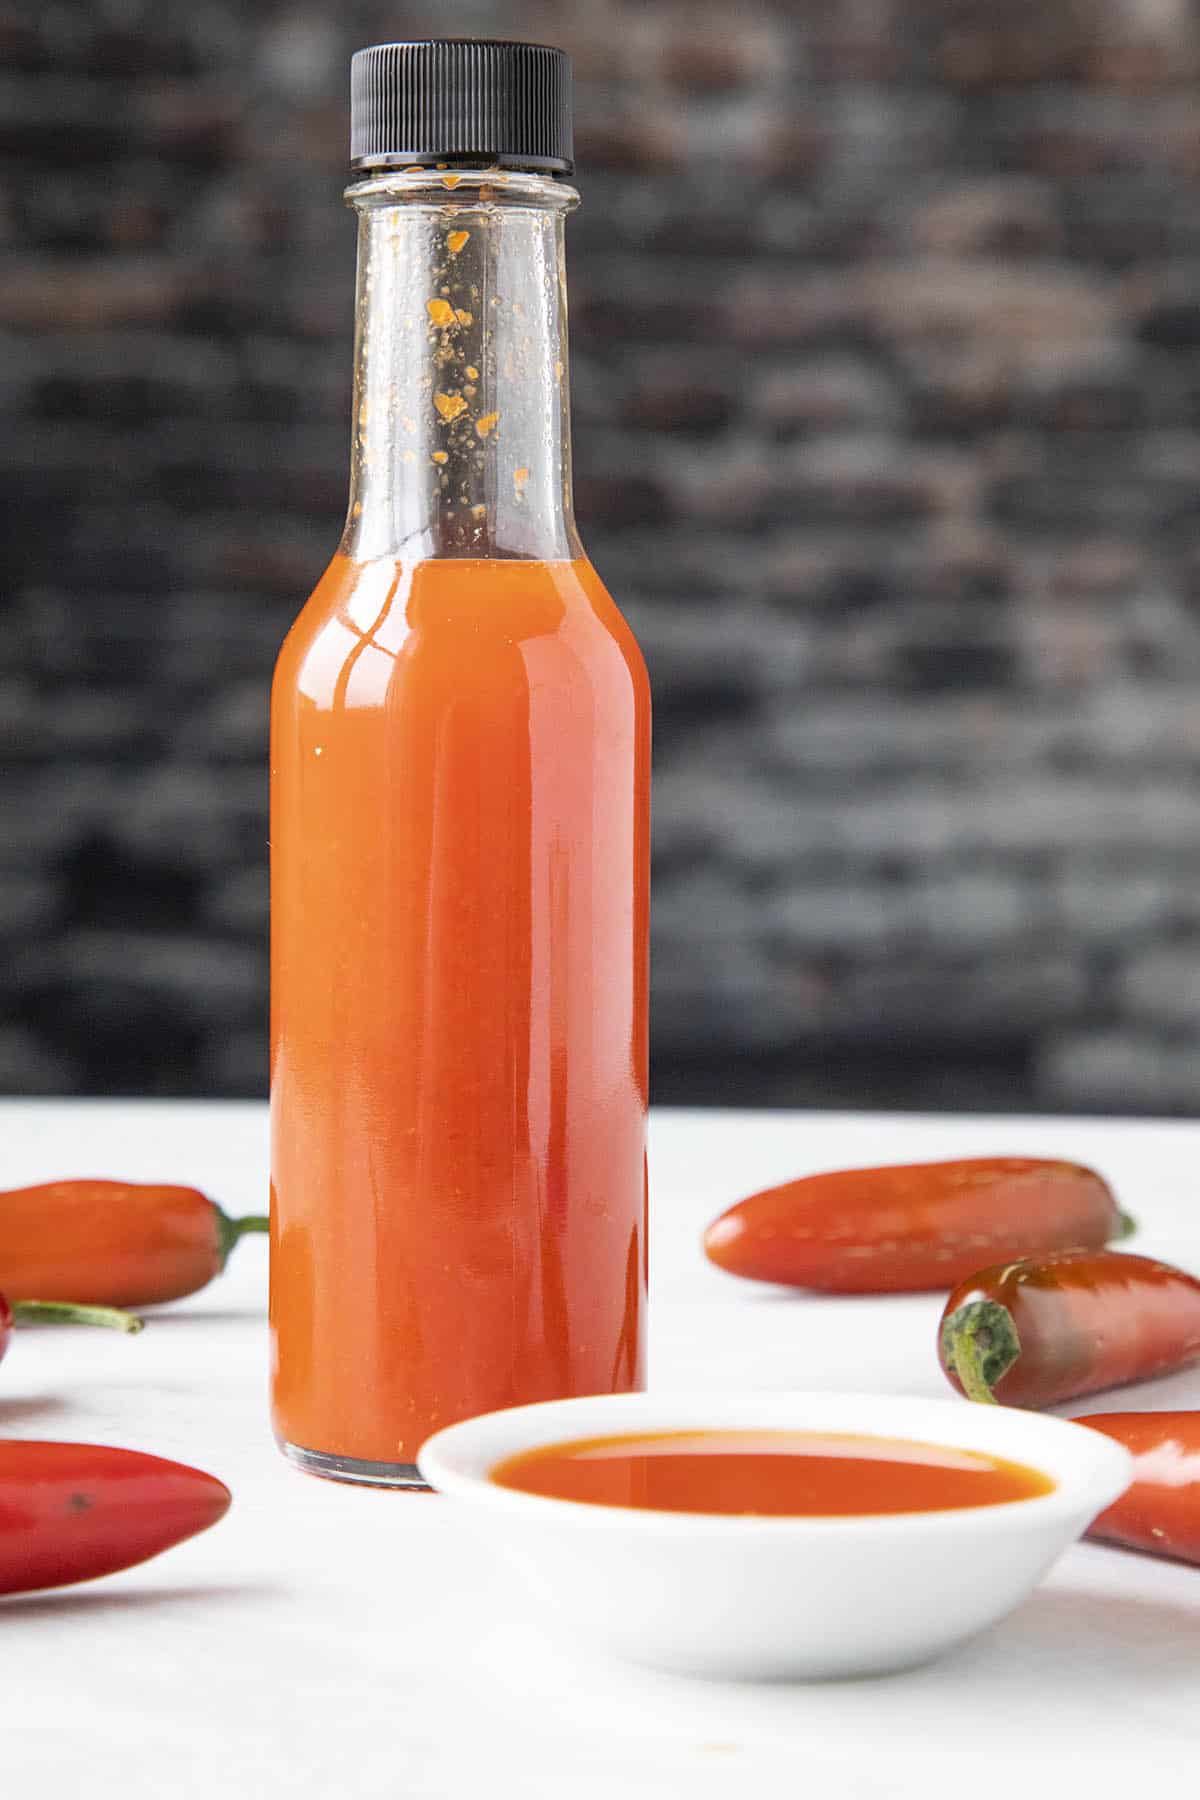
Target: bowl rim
[1097, 1469]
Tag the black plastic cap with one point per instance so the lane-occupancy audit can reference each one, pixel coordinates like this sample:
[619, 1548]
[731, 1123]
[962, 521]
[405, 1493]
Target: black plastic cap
[461, 99]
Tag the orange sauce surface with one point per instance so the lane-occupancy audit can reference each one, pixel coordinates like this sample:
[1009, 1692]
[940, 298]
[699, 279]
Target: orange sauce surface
[460, 769]
[780, 1473]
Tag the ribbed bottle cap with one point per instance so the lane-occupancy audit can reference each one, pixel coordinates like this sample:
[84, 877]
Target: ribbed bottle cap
[469, 99]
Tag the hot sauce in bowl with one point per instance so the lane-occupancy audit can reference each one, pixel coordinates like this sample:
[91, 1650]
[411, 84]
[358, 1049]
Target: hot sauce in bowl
[770, 1473]
[773, 1535]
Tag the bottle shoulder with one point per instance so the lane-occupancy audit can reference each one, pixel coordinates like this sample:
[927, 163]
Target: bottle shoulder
[373, 623]
[610, 616]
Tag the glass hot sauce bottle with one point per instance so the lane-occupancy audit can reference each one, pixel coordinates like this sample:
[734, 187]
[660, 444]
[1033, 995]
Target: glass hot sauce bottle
[460, 733]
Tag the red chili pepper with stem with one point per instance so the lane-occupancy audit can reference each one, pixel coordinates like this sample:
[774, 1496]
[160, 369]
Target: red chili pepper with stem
[912, 1227]
[70, 1512]
[59, 1312]
[117, 1243]
[1039, 1331]
[1160, 1511]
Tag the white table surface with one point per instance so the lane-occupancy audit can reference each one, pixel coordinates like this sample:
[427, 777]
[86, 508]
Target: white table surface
[324, 1640]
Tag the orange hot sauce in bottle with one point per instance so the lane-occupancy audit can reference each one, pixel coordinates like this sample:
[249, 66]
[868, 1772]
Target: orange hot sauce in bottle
[460, 734]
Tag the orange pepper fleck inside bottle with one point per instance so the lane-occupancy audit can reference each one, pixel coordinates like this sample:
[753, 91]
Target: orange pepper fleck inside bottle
[459, 825]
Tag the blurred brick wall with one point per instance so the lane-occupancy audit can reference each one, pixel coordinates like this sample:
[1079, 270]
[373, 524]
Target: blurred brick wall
[886, 325]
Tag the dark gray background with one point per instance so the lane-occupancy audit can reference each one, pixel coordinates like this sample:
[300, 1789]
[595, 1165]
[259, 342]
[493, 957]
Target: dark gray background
[886, 334]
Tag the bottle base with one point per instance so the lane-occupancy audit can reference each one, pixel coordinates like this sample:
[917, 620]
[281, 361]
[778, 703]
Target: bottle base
[350, 1468]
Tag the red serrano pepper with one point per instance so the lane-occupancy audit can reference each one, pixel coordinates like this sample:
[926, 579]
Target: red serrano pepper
[1160, 1512]
[118, 1243]
[912, 1227]
[69, 1512]
[1039, 1331]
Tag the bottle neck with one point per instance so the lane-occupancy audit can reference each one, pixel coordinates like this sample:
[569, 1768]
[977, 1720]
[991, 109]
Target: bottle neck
[462, 438]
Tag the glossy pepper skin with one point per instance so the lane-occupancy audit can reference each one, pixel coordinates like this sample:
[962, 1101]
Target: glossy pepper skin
[115, 1243]
[912, 1227]
[1160, 1512]
[70, 1512]
[1042, 1330]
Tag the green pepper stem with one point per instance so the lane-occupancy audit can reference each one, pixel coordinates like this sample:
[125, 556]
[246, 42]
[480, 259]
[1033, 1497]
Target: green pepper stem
[68, 1312]
[230, 1230]
[1126, 1227]
[980, 1344]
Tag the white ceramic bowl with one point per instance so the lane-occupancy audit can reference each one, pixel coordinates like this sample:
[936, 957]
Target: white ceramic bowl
[777, 1598]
